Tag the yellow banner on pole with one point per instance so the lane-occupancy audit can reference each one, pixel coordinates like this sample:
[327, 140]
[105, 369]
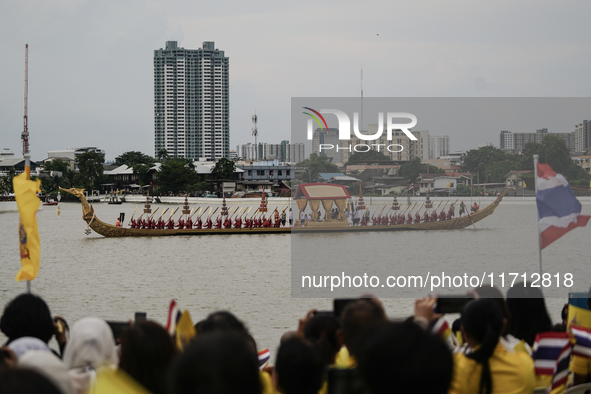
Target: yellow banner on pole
[25, 193]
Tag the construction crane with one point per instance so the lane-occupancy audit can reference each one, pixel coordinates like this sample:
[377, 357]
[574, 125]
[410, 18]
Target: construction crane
[25, 133]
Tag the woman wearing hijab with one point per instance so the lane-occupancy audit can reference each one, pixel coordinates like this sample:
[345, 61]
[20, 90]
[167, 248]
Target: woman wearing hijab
[90, 347]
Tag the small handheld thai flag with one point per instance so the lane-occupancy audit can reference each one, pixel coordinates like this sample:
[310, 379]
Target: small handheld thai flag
[546, 349]
[264, 356]
[174, 314]
[441, 328]
[582, 345]
[551, 354]
[558, 208]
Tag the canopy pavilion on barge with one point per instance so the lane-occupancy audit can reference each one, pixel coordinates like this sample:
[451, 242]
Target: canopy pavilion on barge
[327, 194]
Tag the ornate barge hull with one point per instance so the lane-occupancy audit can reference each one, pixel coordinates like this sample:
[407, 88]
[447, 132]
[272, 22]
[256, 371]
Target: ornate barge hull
[109, 230]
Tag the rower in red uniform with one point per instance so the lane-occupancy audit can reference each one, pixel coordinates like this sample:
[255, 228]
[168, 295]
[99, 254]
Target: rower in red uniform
[475, 208]
[170, 224]
[433, 216]
[227, 223]
[199, 224]
[189, 223]
[448, 216]
[409, 219]
[218, 223]
[442, 215]
[417, 218]
[208, 223]
[181, 224]
[238, 222]
[425, 217]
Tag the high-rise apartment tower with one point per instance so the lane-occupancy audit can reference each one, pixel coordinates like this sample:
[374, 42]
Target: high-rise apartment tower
[191, 102]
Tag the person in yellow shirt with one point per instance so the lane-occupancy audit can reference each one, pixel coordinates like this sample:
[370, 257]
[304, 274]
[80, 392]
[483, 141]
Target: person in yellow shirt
[490, 368]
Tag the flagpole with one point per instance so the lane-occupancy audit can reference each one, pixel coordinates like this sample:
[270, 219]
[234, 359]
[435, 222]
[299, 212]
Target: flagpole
[538, 214]
[25, 133]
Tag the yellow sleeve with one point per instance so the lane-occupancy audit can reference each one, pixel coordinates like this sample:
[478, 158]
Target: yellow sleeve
[580, 365]
[267, 383]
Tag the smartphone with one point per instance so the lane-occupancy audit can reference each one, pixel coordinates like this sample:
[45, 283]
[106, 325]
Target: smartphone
[323, 313]
[140, 316]
[452, 303]
[117, 327]
[339, 305]
[345, 381]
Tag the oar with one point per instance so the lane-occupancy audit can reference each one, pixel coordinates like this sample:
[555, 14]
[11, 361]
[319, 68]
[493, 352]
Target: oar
[133, 214]
[199, 217]
[155, 210]
[235, 212]
[420, 206]
[196, 211]
[213, 212]
[173, 212]
[163, 212]
[254, 213]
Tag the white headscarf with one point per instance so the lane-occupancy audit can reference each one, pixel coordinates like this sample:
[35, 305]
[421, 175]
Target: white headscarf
[22, 345]
[91, 345]
[47, 364]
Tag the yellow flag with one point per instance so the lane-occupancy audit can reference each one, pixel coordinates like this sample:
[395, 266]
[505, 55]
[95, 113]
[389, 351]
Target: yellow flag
[578, 316]
[524, 185]
[111, 381]
[28, 203]
[589, 183]
[185, 330]
[448, 184]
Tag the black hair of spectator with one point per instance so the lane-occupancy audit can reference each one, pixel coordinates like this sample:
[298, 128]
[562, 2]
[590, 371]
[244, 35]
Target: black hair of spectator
[147, 350]
[299, 367]
[357, 318]
[222, 320]
[529, 315]
[27, 315]
[25, 381]
[225, 321]
[221, 362]
[321, 330]
[483, 322]
[404, 358]
[494, 293]
[564, 314]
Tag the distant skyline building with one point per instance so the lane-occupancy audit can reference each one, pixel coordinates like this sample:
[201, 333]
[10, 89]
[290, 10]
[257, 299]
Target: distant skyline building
[285, 152]
[192, 102]
[329, 136]
[438, 146]
[583, 136]
[515, 142]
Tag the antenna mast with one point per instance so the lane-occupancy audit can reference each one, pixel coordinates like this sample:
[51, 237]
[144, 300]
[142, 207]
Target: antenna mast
[25, 133]
[361, 125]
[255, 132]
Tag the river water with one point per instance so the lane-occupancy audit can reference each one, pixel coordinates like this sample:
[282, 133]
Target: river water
[248, 275]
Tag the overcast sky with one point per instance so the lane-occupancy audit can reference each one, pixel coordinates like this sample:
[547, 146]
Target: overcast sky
[91, 70]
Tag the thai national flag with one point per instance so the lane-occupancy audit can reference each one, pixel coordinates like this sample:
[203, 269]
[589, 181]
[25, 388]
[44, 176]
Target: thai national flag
[546, 350]
[174, 314]
[412, 185]
[264, 356]
[558, 208]
[583, 341]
